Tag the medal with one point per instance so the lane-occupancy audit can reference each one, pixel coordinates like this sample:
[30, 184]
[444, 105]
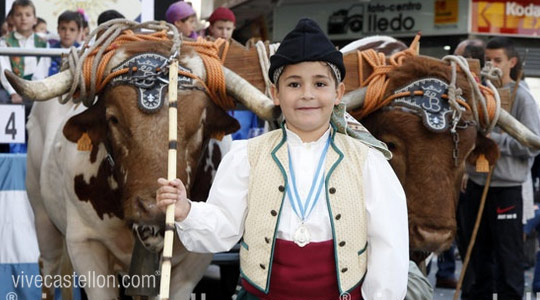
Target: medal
[304, 208]
[301, 236]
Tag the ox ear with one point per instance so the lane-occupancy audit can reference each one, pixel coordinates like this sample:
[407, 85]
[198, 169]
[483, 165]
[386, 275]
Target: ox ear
[92, 122]
[486, 146]
[219, 123]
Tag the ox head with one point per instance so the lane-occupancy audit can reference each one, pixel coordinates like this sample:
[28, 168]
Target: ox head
[428, 158]
[129, 141]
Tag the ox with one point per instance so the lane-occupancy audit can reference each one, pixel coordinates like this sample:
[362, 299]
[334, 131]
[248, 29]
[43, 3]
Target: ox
[91, 196]
[422, 158]
[428, 158]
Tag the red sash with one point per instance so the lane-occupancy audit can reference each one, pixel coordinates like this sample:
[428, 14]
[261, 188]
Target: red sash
[307, 273]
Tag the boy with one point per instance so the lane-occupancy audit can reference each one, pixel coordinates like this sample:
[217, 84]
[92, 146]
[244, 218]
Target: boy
[222, 23]
[69, 28]
[24, 19]
[41, 28]
[321, 215]
[183, 16]
[497, 259]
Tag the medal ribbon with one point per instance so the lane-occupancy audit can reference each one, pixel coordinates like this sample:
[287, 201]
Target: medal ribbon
[303, 210]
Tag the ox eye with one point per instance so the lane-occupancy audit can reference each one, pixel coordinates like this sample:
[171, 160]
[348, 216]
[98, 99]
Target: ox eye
[113, 120]
[391, 146]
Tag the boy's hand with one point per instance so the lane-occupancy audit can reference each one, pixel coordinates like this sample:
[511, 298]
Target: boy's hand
[16, 99]
[173, 192]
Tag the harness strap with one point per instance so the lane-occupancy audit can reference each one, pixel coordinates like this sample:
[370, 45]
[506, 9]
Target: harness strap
[377, 81]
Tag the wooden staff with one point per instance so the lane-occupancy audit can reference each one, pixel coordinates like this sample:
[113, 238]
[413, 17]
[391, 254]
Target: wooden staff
[474, 233]
[171, 174]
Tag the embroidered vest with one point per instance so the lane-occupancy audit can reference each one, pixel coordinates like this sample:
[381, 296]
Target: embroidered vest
[268, 159]
[17, 62]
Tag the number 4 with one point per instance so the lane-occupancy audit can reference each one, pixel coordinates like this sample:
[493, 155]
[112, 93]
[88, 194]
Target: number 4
[10, 126]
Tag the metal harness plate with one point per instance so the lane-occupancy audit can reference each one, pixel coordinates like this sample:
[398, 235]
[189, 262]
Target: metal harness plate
[148, 72]
[435, 111]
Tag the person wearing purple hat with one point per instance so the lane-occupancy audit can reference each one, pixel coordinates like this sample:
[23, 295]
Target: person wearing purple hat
[320, 215]
[184, 17]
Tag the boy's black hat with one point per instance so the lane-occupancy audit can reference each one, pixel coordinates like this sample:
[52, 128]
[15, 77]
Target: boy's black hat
[307, 42]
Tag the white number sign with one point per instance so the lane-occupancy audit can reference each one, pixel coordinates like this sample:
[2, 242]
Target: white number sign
[12, 123]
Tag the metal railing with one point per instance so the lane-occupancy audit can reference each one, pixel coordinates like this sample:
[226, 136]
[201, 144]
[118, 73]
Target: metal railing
[14, 51]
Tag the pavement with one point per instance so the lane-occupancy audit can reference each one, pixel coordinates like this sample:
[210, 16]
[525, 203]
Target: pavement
[448, 294]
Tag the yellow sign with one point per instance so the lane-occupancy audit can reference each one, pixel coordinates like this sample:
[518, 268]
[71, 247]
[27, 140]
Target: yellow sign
[446, 12]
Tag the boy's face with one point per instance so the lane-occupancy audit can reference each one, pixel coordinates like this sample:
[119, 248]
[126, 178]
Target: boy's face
[186, 27]
[307, 94]
[222, 29]
[68, 32]
[500, 60]
[24, 19]
[41, 27]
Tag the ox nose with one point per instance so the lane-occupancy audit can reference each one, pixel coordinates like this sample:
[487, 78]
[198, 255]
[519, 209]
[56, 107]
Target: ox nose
[146, 209]
[433, 239]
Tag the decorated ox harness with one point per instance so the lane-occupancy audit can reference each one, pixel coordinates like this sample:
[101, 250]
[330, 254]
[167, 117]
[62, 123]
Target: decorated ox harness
[148, 73]
[428, 98]
[437, 103]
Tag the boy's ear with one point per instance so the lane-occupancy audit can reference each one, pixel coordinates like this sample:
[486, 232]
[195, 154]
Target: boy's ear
[339, 93]
[513, 62]
[274, 92]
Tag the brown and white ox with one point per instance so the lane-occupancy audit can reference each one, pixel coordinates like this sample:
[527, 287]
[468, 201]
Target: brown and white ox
[92, 199]
[422, 159]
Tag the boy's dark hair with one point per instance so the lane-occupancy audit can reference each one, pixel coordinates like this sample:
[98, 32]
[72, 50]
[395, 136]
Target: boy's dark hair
[22, 3]
[68, 16]
[108, 15]
[501, 42]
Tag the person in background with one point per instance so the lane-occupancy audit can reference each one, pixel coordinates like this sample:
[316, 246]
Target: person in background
[497, 258]
[184, 17]
[41, 28]
[24, 19]
[69, 29]
[85, 31]
[7, 25]
[336, 230]
[108, 15]
[222, 23]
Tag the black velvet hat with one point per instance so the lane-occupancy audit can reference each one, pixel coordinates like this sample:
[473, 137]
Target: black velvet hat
[307, 42]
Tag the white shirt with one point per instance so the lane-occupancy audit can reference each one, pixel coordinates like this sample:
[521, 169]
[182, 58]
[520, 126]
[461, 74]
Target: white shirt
[30, 62]
[218, 224]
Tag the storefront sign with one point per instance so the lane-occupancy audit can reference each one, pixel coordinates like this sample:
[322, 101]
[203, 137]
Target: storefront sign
[356, 19]
[521, 18]
[446, 12]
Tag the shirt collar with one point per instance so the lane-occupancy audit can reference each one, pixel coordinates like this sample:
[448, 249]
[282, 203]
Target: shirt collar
[294, 139]
[22, 37]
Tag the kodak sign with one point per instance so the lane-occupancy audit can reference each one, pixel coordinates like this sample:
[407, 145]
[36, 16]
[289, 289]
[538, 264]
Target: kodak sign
[506, 17]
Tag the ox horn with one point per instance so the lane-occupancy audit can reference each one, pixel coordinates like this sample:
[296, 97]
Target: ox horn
[517, 130]
[250, 96]
[355, 99]
[41, 90]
